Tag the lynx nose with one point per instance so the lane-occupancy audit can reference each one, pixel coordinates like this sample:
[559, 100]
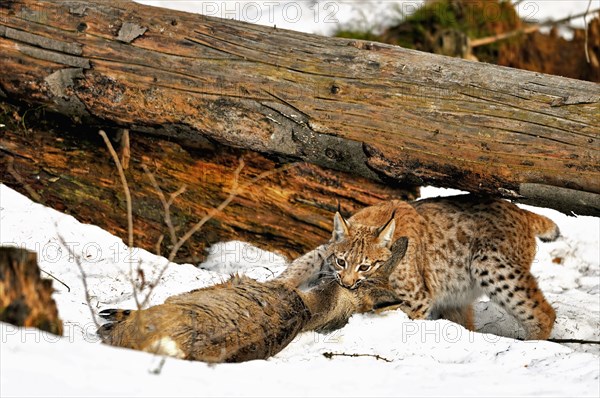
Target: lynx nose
[348, 281]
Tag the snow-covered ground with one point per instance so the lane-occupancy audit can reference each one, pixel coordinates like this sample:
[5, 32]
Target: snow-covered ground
[426, 358]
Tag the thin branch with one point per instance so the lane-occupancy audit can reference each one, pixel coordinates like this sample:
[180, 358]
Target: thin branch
[574, 341]
[56, 279]
[125, 187]
[166, 204]
[330, 355]
[125, 149]
[211, 213]
[526, 30]
[115, 157]
[15, 174]
[158, 243]
[587, 51]
[88, 298]
[235, 190]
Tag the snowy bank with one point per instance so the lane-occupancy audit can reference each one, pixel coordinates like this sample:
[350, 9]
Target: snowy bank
[399, 357]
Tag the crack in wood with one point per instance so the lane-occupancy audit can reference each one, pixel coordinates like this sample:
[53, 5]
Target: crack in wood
[299, 140]
[542, 114]
[42, 41]
[260, 61]
[55, 57]
[287, 111]
[301, 118]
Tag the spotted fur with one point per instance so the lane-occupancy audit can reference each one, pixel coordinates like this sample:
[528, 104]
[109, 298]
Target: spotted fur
[459, 249]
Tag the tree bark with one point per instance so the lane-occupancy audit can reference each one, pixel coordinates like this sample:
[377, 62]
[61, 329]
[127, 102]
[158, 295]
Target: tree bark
[26, 298]
[289, 212]
[374, 110]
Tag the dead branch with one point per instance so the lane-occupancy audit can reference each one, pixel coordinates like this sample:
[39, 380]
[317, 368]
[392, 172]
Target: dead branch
[86, 291]
[234, 191]
[115, 157]
[11, 170]
[56, 279]
[166, 204]
[125, 149]
[587, 51]
[484, 41]
[119, 166]
[573, 341]
[330, 355]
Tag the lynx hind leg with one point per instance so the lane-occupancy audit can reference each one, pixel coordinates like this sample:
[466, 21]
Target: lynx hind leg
[461, 315]
[514, 288]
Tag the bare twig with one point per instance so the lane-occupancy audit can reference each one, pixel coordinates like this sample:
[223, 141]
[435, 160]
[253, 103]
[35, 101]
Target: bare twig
[15, 174]
[526, 30]
[115, 157]
[158, 243]
[56, 279]
[125, 149]
[587, 51]
[166, 204]
[234, 191]
[574, 341]
[211, 213]
[88, 298]
[330, 355]
[158, 368]
[125, 187]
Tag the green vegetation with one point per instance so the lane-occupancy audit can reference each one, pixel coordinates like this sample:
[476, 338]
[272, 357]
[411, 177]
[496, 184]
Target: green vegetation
[421, 29]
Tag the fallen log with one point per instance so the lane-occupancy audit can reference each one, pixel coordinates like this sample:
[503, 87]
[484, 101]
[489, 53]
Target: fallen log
[26, 298]
[289, 212]
[374, 110]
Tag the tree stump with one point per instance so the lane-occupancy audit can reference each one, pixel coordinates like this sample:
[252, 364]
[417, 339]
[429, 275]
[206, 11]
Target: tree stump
[26, 298]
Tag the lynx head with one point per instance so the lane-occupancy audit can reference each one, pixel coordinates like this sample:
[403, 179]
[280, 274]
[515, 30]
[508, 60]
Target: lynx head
[359, 250]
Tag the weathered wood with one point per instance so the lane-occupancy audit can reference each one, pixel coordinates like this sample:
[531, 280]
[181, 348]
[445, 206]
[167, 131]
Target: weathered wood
[374, 110]
[26, 298]
[290, 212]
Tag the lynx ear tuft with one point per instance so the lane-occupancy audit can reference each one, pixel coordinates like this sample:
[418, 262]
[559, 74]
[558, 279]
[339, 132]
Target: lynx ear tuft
[340, 227]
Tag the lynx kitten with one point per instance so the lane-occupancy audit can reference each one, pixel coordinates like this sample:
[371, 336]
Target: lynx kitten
[459, 248]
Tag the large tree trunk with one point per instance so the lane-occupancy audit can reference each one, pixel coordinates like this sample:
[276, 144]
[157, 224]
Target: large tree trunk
[289, 212]
[374, 110]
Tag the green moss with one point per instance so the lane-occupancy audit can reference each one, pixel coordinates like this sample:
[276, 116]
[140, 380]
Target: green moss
[416, 30]
[357, 34]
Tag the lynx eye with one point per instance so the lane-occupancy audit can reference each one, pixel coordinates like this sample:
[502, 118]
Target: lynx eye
[341, 262]
[364, 268]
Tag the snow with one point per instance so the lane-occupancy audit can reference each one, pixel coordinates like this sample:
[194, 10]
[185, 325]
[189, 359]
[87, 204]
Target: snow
[427, 358]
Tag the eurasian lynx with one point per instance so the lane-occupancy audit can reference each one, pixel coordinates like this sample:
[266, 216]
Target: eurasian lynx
[459, 248]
